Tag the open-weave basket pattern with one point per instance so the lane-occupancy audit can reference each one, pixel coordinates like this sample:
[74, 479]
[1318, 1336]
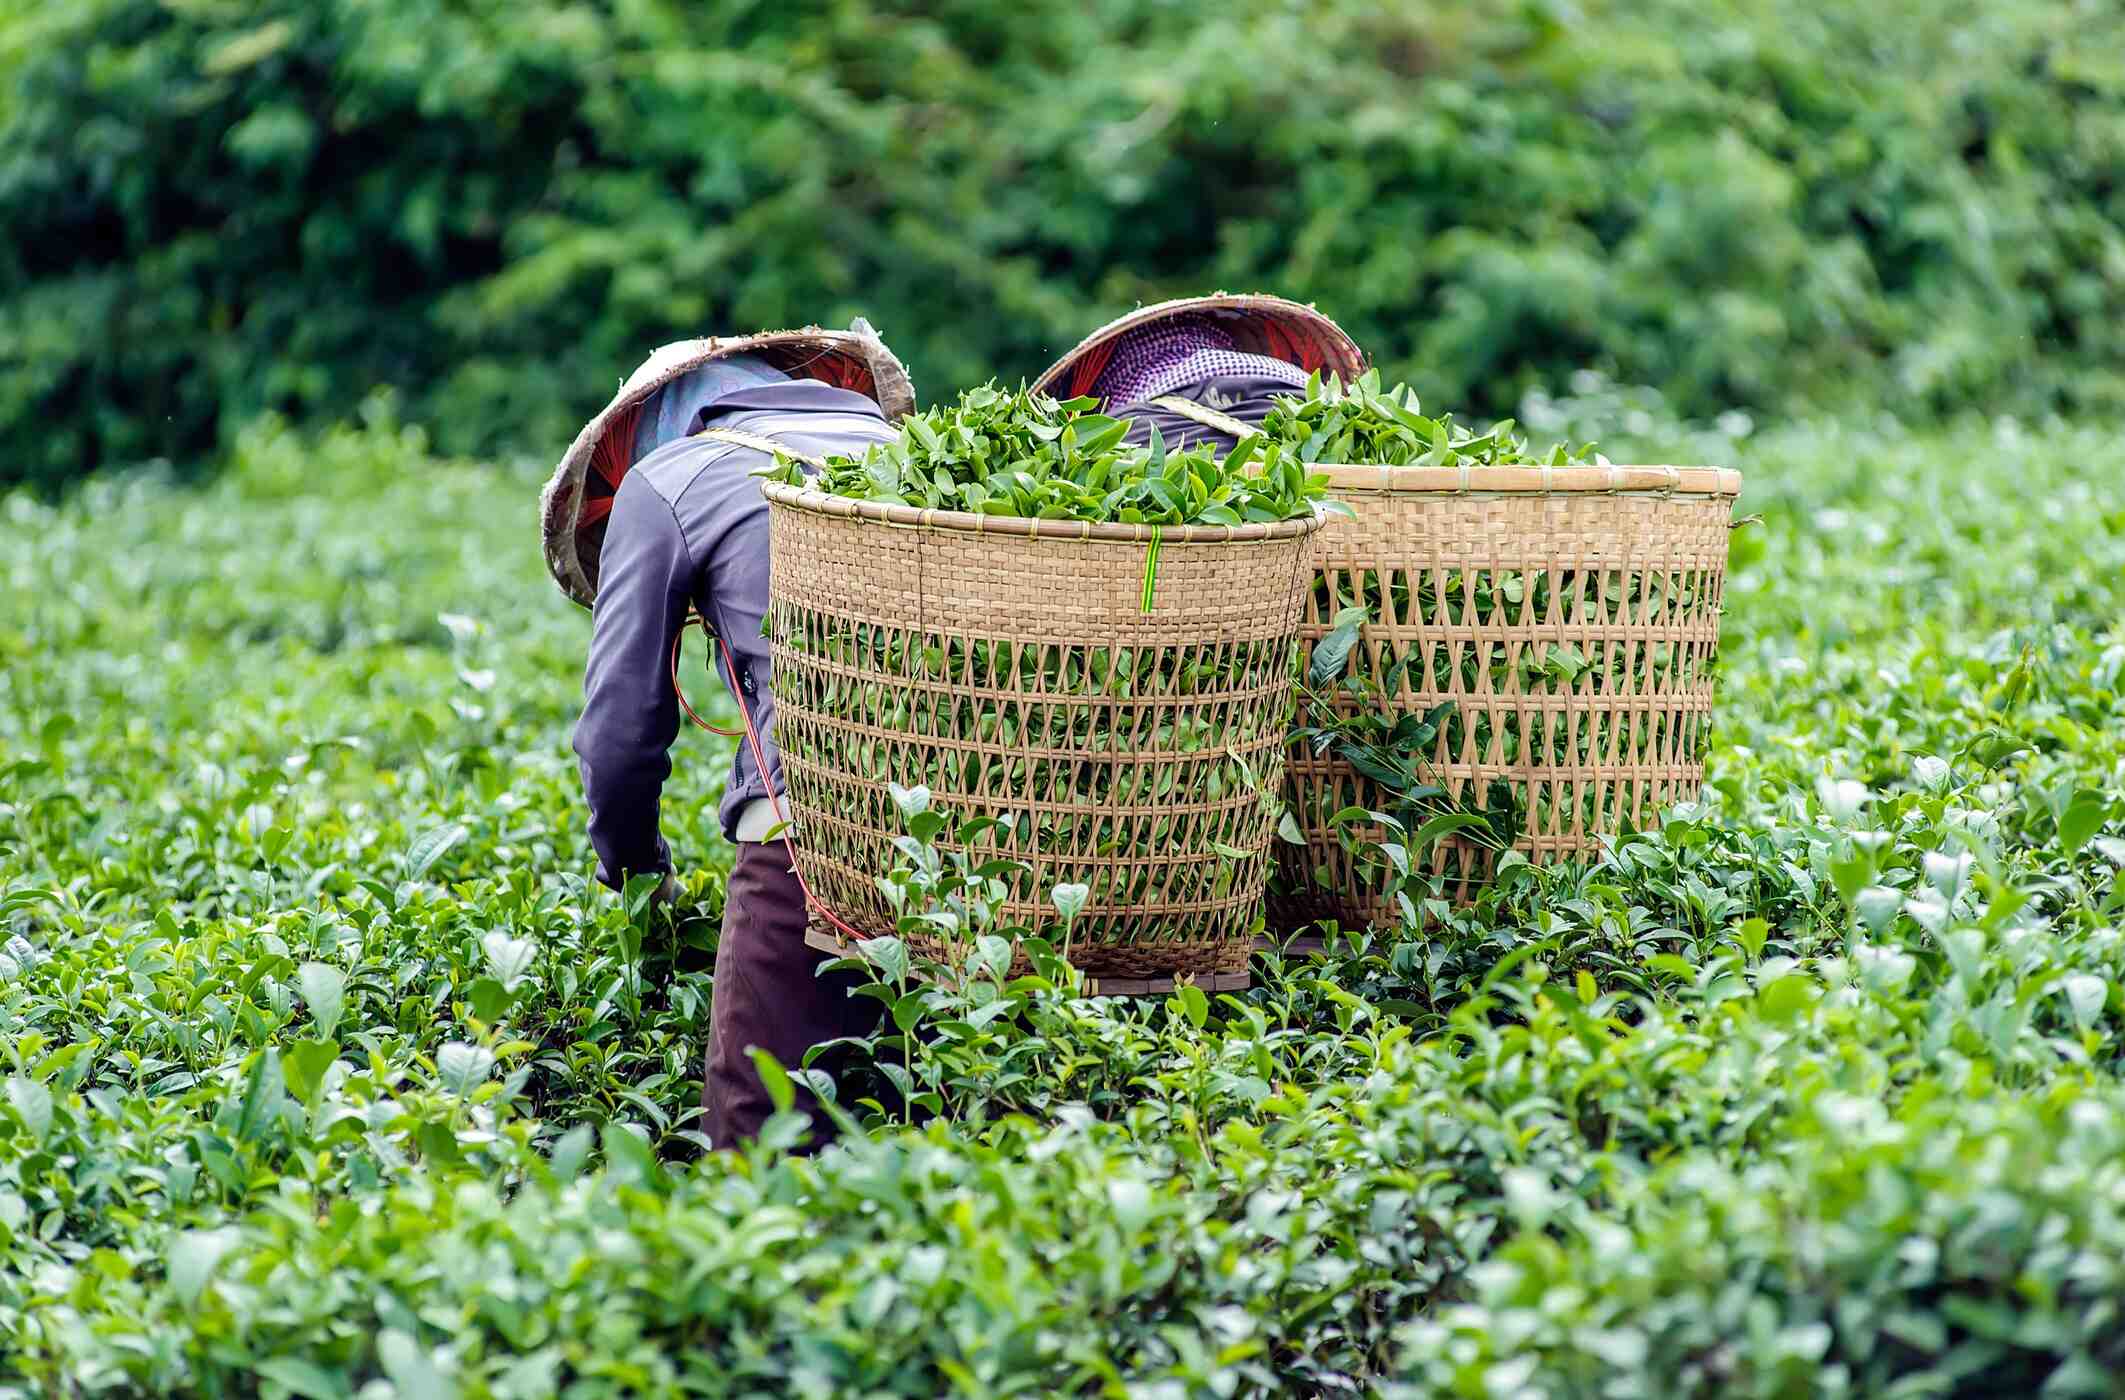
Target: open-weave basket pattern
[1136, 753]
[1480, 589]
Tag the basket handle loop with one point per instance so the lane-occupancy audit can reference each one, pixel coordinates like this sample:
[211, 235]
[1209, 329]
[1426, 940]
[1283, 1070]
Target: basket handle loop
[694, 619]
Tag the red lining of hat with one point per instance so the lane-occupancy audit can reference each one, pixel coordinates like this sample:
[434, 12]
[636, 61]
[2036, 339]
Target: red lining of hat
[614, 454]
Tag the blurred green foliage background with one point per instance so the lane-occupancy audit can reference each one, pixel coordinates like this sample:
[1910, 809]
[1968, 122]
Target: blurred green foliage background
[210, 208]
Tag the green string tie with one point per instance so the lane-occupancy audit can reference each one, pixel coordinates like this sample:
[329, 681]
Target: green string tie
[1151, 569]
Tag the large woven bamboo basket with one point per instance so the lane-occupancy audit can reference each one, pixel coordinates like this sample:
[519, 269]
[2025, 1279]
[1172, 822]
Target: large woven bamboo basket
[1013, 668]
[1480, 573]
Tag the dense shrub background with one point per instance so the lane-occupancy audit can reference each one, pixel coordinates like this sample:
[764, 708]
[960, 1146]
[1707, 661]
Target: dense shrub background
[209, 207]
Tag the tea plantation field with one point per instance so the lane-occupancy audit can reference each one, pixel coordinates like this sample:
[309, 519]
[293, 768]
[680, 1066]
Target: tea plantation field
[328, 1074]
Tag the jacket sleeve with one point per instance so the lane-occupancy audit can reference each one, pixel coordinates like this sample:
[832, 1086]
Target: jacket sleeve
[630, 716]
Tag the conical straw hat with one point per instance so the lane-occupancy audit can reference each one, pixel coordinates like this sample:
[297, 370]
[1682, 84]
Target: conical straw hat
[1261, 325]
[573, 507]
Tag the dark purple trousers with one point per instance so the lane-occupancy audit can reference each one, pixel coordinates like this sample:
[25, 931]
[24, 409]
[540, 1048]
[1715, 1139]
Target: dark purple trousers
[767, 994]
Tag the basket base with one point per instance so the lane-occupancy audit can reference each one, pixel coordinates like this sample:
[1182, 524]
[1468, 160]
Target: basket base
[828, 941]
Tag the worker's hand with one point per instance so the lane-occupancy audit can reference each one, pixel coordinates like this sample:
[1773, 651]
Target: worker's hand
[666, 892]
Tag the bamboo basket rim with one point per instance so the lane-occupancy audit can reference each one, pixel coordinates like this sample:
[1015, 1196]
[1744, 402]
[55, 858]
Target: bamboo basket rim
[1577, 479]
[1019, 527]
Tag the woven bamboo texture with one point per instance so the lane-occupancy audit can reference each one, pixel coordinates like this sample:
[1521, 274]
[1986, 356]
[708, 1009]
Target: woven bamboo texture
[1012, 669]
[1485, 576]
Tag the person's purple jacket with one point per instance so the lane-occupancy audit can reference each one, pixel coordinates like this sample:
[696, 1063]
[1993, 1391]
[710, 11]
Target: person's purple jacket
[689, 527]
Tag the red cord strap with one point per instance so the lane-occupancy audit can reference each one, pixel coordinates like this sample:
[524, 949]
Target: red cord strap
[694, 619]
[752, 738]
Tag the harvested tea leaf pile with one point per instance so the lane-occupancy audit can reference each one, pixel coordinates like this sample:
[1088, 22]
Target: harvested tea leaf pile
[325, 1072]
[1019, 453]
[1364, 424]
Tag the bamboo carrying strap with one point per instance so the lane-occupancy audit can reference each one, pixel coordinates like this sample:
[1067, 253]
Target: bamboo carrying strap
[1207, 416]
[736, 438]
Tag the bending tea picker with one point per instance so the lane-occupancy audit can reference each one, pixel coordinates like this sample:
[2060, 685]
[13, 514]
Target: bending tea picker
[653, 518]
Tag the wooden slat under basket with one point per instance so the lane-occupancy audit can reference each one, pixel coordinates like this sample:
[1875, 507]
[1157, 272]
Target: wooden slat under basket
[977, 656]
[1477, 569]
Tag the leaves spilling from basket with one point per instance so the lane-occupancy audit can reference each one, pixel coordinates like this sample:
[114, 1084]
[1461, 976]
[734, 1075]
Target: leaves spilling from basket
[1021, 454]
[1348, 712]
[1362, 424]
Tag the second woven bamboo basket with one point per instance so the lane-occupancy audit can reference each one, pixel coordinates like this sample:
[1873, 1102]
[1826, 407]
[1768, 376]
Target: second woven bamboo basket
[1571, 616]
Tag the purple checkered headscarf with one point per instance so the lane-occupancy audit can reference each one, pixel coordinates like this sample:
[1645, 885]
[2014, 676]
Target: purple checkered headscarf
[1168, 355]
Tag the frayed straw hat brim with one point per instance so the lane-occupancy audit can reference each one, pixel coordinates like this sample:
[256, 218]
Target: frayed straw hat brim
[571, 521]
[1260, 324]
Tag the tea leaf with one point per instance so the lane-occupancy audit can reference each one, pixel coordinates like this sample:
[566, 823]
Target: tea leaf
[324, 991]
[2083, 818]
[1069, 900]
[2086, 994]
[430, 846]
[193, 1256]
[301, 1378]
[304, 1064]
[411, 1368]
[32, 1103]
[508, 959]
[1331, 655]
[463, 1068]
[780, 1092]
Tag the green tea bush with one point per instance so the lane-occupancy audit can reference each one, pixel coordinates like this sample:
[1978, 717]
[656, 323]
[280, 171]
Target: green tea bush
[325, 1071]
[1946, 1246]
[207, 209]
